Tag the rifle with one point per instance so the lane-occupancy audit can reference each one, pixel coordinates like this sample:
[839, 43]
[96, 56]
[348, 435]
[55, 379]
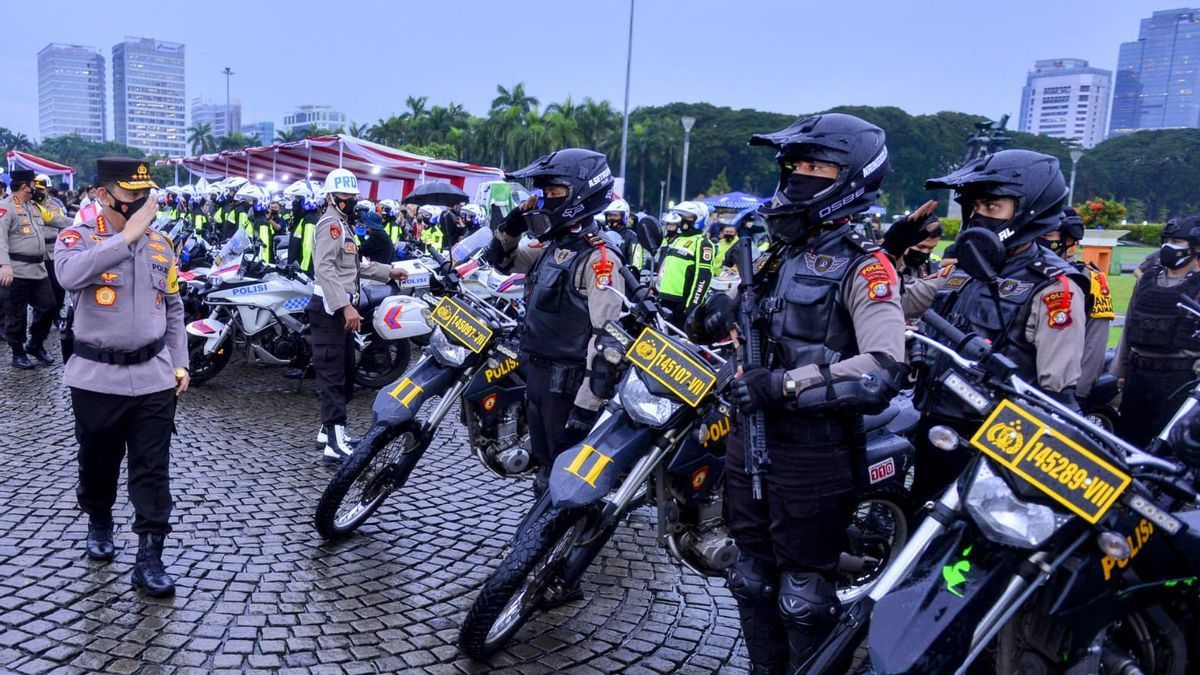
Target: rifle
[750, 356]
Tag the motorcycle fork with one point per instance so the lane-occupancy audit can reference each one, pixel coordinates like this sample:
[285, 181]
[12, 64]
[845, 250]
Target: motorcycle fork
[945, 511]
[641, 471]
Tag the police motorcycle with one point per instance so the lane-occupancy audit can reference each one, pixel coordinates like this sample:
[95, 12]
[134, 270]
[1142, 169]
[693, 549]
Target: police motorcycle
[1060, 548]
[471, 359]
[660, 441]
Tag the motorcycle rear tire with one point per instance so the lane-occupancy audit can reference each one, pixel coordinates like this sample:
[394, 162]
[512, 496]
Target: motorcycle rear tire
[205, 367]
[383, 474]
[545, 537]
[400, 352]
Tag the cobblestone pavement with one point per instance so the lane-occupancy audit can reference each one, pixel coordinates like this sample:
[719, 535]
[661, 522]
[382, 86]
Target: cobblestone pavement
[258, 590]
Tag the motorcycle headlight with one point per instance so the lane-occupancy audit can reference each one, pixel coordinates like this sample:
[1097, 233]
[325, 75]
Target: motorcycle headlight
[1006, 518]
[643, 406]
[445, 351]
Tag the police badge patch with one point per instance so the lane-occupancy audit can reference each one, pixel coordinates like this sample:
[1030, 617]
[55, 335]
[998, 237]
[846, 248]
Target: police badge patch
[562, 255]
[823, 264]
[1011, 287]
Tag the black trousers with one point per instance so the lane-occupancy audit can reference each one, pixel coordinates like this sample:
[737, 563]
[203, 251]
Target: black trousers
[332, 360]
[60, 293]
[1146, 404]
[107, 427]
[550, 392]
[808, 495]
[23, 293]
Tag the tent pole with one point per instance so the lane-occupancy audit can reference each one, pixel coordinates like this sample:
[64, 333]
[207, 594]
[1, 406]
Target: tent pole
[340, 148]
[247, 166]
[176, 175]
[274, 156]
[309, 146]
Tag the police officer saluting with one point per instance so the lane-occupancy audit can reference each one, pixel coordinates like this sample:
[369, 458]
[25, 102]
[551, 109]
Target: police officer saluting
[566, 304]
[331, 311]
[23, 273]
[129, 364]
[1158, 349]
[830, 314]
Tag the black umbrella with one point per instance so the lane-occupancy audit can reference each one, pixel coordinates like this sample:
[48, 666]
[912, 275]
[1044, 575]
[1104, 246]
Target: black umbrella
[437, 194]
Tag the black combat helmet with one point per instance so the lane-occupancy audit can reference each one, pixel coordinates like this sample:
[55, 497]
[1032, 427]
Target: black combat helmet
[801, 202]
[588, 180]
[1183, 228]
[1071, 225]
[1031, 178]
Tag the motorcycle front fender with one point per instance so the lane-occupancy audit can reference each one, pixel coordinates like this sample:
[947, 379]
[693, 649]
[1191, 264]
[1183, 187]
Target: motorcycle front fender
[213, 332]
[586, 472]
[400, 401]
[926, 625]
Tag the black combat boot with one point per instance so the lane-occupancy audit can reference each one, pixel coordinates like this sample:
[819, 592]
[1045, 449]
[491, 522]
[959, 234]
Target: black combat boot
[39, 352]
[99, 544]
[21, 360]
[149, 576]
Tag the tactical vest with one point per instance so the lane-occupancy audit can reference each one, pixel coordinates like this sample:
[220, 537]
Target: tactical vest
[557, 323]
[1156, 324]
[804, 314]
[996, 313]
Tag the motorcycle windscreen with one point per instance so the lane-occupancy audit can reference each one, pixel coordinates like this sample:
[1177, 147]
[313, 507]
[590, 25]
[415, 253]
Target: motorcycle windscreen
[586, 472]
[926, 624]
[399, 402]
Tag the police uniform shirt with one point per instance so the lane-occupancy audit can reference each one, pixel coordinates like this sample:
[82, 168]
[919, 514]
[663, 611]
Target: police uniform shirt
[125, 297]
[1056, 331]
[21, 234]
[602, 304]
[336, 263]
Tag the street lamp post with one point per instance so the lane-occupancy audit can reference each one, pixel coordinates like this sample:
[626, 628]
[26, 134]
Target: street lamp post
[662, 195]
[625, 117]
[228, 72]
[687, 139]
[1075, 156]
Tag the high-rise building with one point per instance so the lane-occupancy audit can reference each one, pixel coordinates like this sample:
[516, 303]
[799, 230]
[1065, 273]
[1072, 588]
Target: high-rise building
[71, 92]
[1158, 77]
[217, 116]
[148, 96]
[1065, 98]
[320, 116]
[265, 131]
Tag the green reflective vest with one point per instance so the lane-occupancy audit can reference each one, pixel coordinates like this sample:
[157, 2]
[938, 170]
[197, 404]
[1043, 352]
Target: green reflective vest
[723, 249]
[432, 236]
[394, 230]
[305, 233]
[688, 265]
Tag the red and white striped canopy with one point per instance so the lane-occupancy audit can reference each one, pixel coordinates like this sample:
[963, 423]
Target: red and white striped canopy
[382, 172]
[24, 160]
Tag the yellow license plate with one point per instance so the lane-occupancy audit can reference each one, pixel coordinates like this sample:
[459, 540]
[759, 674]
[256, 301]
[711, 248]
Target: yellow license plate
[1074, 476]
[671, 367]
[462, 324]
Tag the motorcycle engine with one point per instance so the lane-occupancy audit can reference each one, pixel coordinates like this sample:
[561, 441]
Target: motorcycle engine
[504, 447]
[284, 348]
[709, 543]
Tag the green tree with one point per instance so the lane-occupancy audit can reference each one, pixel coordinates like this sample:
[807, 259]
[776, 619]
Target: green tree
[201, 140]
[719, 185]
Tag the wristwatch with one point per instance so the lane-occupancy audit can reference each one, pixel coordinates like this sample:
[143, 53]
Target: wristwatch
[180, 373]
[789, 386]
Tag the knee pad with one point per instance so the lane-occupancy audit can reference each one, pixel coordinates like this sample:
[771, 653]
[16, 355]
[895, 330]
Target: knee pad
[753, 580]
[807, 601]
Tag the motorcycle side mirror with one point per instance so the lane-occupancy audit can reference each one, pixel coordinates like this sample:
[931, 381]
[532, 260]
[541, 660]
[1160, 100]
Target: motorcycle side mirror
[980, 253]
[649, 234]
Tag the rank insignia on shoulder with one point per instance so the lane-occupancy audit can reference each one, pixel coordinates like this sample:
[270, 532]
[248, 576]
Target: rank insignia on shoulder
[69, 238]
[1058, 309]
[594, 239]
[101, 225]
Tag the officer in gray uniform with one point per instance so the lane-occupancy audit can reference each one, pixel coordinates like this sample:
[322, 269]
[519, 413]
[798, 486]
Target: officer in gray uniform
[332, 315]
[23, 273]
[566, 300]
[129, 363]
[1035, 314]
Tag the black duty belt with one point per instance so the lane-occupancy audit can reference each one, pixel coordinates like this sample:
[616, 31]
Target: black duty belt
[120, 357]
[26, 258]
[1164, 364]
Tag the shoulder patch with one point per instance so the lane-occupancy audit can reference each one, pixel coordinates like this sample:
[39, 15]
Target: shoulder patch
[69, 238]
[823, 264]
[335, 231]
[562, 255]
[1058, 309]
[603, 270]
[879, 281]
[956, 282]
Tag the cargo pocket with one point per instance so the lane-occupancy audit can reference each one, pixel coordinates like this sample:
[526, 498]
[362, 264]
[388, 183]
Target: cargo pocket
[807, 309]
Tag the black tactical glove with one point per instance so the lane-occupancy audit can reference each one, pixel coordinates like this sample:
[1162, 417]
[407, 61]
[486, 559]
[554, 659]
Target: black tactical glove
[712, 319]
[757, 389]
[514, 224]
[906, 233]
[582, 419]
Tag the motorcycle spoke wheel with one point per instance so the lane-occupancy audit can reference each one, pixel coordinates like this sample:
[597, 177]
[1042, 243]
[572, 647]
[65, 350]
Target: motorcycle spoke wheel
[878, 530]
[363, 481]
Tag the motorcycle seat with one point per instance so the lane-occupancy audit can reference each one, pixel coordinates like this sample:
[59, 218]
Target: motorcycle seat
[374, 294]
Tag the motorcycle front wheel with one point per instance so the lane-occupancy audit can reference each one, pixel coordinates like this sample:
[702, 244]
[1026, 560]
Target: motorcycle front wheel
[878, 531]
[524, 579]
[380, 464]
[204, 367]
[382, 363]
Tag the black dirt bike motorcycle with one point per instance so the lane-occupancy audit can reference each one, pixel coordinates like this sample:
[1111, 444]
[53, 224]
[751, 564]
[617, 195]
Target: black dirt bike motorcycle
[660, 442]
[1060, 549]
[471, 358]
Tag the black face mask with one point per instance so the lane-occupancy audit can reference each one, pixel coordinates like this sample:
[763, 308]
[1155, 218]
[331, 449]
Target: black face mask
[1059, 247]
[127, 209]
[346, 206]
[39, 196]
[914, 258]
[994, 224]
[801, 188]
[729, 237]
[1173, 257]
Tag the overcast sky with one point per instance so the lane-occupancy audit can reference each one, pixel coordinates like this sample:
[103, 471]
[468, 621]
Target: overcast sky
[788, 56]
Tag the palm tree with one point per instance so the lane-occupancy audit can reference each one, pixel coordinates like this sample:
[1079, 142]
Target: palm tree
[289, 135]
[359, 130]
[514, 98]
[200, 137]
